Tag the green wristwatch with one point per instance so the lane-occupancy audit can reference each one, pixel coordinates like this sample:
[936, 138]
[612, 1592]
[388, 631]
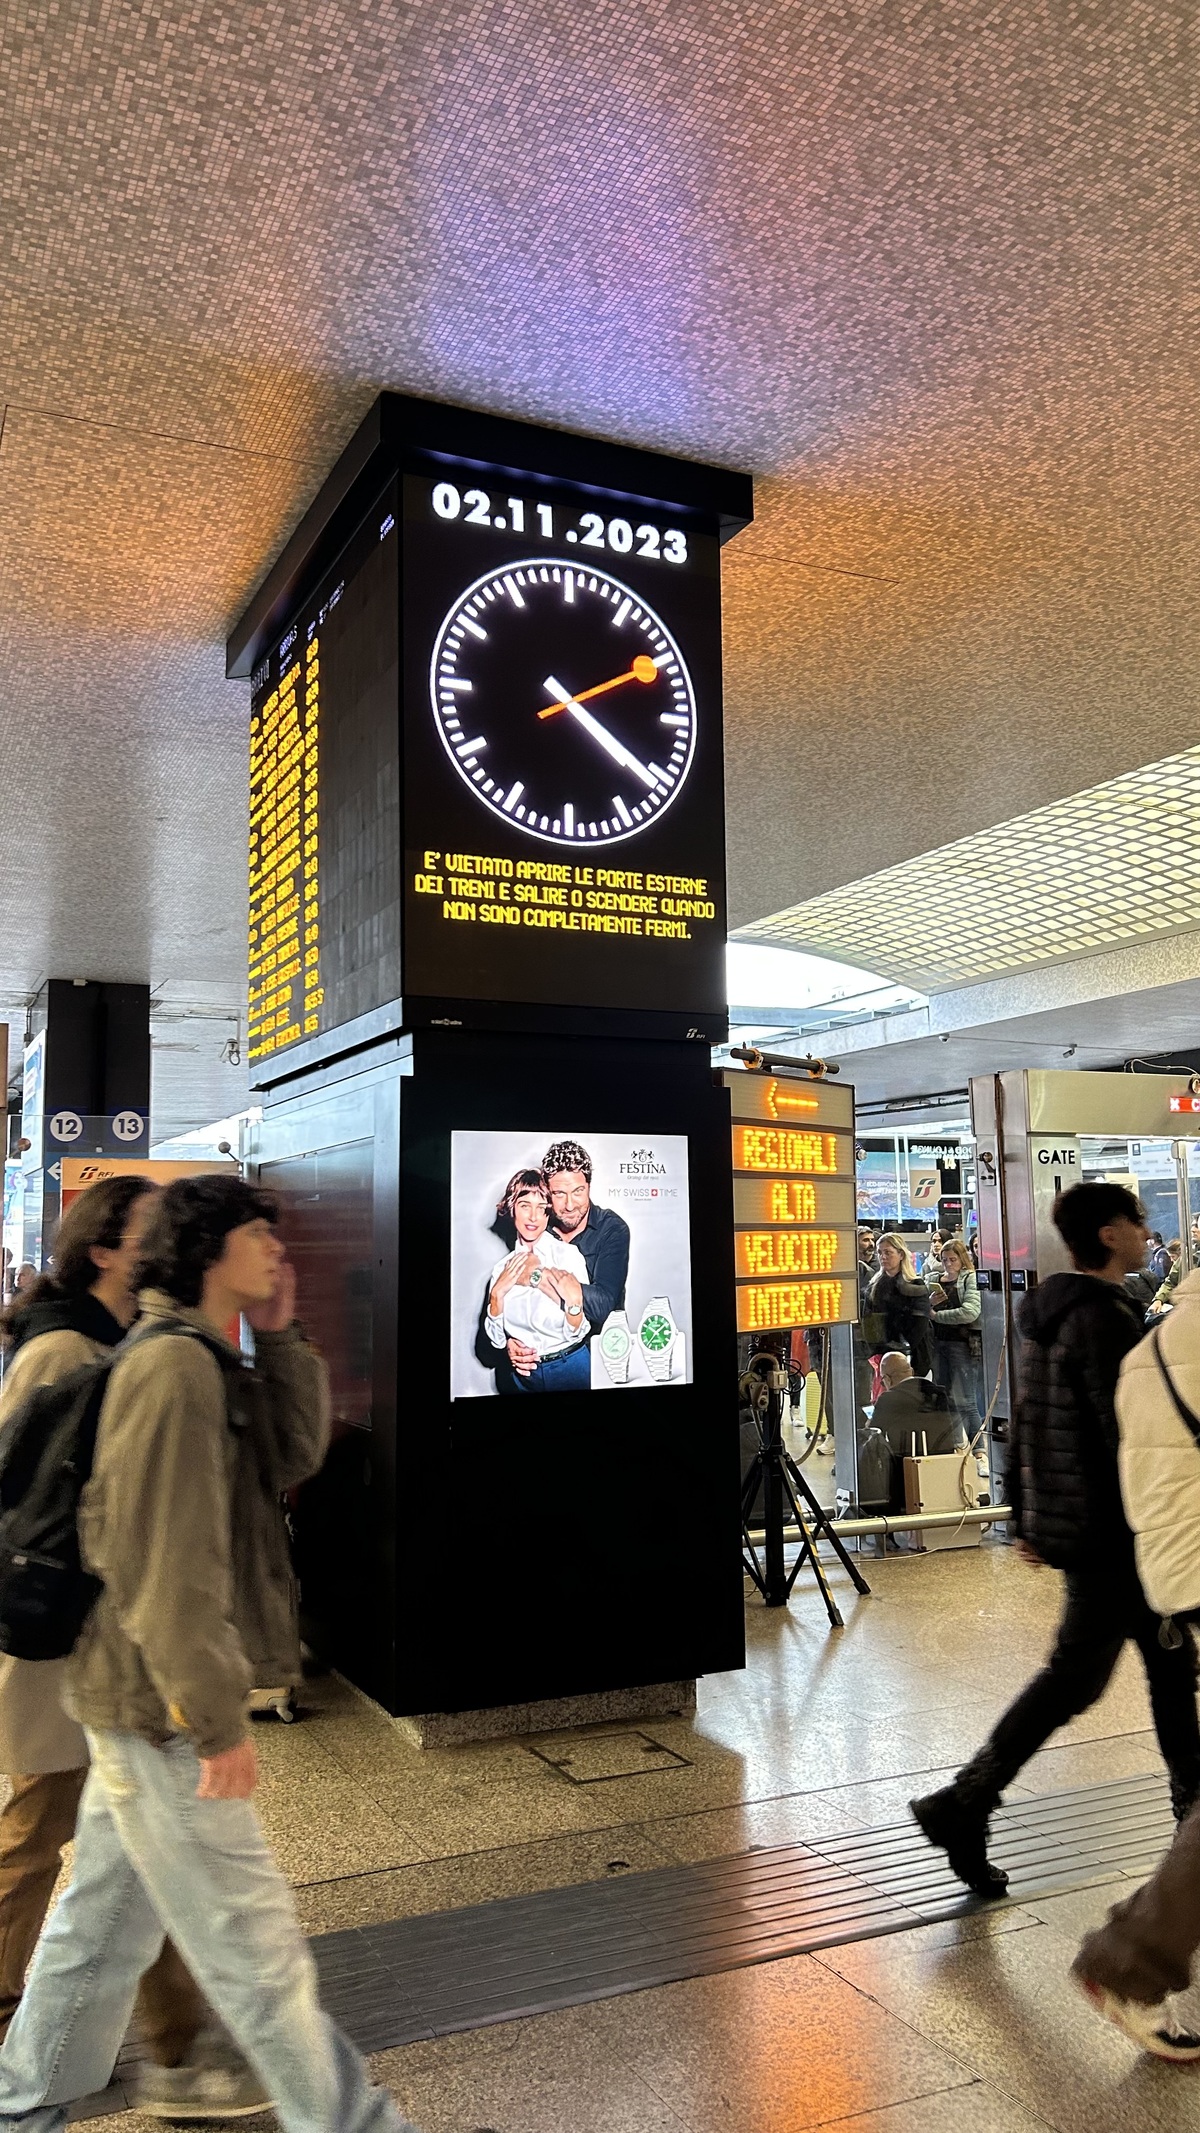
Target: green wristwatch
[657, 1332]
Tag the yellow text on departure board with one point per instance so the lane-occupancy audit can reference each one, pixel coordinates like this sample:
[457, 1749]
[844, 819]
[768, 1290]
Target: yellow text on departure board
[773, 1305]
[285, 927]
[789, 1149]
[781, 1251]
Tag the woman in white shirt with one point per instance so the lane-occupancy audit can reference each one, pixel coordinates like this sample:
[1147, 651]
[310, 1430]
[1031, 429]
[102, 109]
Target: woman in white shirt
[525, 1301]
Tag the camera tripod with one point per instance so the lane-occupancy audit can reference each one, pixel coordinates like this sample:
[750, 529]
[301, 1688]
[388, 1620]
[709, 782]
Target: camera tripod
[782, 1482]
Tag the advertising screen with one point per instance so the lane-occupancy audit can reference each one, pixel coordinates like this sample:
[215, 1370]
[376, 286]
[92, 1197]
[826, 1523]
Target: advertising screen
[564, 829]
[570, 1262]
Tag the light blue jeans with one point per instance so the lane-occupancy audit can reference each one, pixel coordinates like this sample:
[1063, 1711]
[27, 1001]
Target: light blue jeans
[150, 1858]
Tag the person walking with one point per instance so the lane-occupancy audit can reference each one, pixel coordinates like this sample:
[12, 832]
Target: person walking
[66, 1319]
[1065, 1494]
[179, 1522]
[1144, 1952]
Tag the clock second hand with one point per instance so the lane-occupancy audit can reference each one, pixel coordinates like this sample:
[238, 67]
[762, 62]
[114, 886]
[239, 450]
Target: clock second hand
[608, 741]
[643, 669]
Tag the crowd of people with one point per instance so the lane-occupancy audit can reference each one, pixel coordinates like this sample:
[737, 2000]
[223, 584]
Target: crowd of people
[136, 1745]
[918, 1351]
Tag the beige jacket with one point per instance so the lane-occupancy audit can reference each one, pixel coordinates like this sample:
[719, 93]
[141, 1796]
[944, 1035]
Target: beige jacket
[1159, 1457]
[35, 1731]
[182, 1521]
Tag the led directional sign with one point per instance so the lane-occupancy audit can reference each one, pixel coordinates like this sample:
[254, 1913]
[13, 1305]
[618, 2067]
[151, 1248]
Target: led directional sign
[794, 1208]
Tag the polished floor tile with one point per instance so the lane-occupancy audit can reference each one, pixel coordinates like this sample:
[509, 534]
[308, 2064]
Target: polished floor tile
[1004, 2005]
[970, 2026]
[775, 2049]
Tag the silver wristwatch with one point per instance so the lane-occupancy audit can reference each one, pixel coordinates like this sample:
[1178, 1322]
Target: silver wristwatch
[657, 1333]
[616, 1347]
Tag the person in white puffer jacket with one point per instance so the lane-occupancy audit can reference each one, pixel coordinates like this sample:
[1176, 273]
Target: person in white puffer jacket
[1159, 1460]
[1144, 1952]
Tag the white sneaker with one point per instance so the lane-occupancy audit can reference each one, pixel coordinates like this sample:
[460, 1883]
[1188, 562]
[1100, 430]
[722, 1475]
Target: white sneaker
[1152, 2028]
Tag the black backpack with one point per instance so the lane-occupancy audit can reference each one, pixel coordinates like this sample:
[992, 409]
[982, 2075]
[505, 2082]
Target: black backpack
[47, 1450]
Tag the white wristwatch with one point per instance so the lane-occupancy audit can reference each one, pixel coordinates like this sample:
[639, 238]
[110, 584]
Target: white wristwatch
[657, 1331]
[616, 1346]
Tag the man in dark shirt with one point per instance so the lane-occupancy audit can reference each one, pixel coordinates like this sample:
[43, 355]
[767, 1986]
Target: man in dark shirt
[908, 1408]
[599, 1233]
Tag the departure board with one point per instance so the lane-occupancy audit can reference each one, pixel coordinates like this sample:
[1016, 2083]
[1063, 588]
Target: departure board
[285, 908]
[324, 917]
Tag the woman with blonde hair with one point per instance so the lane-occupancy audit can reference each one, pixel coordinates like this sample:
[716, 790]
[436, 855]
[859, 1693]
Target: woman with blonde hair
[898, 1305]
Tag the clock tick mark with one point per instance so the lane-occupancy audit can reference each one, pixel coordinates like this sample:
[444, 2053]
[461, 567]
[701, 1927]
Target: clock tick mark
[475, 629]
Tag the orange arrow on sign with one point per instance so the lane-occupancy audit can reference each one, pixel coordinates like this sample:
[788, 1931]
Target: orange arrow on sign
[777, 1101]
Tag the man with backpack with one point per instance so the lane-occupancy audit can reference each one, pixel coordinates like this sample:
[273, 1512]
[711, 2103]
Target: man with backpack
[180, 1523]
[1063, 1485]
[72, 1318]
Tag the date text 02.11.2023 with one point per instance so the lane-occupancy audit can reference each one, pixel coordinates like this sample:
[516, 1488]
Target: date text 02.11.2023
[587, 529]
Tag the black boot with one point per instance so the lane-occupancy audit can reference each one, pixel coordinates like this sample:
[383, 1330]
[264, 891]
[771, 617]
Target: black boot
[957, 1823]
[1185, 1791]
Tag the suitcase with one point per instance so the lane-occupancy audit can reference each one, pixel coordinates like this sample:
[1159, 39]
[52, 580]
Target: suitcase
[940, 1481]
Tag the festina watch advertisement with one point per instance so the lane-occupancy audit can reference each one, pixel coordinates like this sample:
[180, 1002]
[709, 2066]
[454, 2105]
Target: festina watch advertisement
[570, 1266]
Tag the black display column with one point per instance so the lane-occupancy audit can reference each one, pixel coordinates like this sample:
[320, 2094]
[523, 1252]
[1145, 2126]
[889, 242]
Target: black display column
[487, 934]
[87, 1088]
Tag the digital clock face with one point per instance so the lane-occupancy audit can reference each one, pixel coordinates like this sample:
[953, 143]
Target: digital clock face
[563, 702]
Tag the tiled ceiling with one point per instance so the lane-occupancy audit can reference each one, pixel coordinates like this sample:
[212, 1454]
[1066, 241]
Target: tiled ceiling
[929, 272]
[1117, 863]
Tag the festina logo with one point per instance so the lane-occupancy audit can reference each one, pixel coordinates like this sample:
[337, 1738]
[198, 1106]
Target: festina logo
[641, 1164]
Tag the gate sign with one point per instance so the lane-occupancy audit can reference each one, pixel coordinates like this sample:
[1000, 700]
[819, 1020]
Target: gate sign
[128, 1126]
[794, 1202]
[66, 1126]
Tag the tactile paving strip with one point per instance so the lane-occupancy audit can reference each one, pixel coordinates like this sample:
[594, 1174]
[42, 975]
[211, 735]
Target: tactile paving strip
[410, 1978]
[523, 1955]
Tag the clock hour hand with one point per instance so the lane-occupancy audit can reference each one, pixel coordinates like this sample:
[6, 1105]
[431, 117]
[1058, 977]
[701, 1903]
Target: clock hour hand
[612, 746]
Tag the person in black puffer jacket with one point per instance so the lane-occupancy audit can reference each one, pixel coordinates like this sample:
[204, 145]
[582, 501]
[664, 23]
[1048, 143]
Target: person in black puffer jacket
[1065, 1493]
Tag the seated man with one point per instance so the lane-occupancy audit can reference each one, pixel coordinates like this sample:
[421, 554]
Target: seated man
[911, 1407]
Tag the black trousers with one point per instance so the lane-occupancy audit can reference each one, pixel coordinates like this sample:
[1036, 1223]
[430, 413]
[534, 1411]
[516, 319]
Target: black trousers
[1105, 1609]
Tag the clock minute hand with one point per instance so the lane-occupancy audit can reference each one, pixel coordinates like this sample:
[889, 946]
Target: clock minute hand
[607, 740]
